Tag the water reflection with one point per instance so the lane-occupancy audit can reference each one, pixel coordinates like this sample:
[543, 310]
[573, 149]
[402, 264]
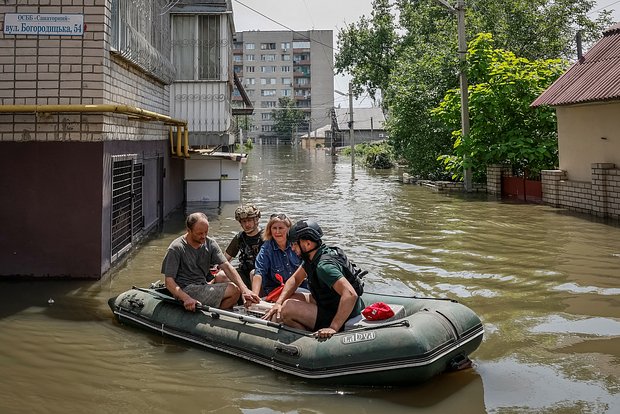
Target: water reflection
[544, 283]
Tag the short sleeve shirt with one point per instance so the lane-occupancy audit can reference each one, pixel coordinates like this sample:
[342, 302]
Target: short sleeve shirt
[188, 265]
[247, 247]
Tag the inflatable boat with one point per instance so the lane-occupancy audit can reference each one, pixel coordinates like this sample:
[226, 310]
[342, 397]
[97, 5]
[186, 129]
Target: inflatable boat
[424, 337]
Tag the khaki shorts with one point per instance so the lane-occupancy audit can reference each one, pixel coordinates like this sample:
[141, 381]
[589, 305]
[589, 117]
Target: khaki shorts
[208, 295]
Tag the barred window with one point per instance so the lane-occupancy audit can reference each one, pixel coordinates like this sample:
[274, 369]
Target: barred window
[199, 58]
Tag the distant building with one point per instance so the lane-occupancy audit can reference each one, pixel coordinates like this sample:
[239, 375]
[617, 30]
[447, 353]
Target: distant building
[96, 102]
[276, 64]
[368, 126]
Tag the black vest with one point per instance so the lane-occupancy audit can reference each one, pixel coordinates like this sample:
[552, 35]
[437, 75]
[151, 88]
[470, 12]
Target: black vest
[324, 295]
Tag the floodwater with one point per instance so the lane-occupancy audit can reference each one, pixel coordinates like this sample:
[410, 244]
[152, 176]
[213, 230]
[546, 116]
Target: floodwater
[544, 282]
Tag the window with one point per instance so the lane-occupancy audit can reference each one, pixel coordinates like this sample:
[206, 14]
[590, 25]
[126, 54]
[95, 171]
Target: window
[286, 92]
[268, 58]
[268, 81]
[250, 81]
[303, 70]
[301, 44]
[285, 68]
[237, 45]
[249, 68]
[267, 128]
[250, 46]
[266, 116]
[206, 50]
[238, 69]
[267, 92]
[267, 69]
[285, 45]
[267, 46]
[300, 57]
[286, 57]
[268, 104]
[286, 81]
[249, 57]
[237, 58]
[302, 81]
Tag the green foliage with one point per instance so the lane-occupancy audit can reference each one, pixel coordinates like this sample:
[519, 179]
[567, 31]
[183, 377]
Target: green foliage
[367, 49]
[286, 117]
[408, 52]
[373, 155]
[504, 128]
[376, 155]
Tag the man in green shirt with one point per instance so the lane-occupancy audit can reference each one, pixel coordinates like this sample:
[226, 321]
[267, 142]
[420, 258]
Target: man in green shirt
[334, 291]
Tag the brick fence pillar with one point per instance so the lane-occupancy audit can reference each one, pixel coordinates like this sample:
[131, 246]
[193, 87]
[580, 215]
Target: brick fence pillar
[494, 178]
[551, 181]
[599, 187]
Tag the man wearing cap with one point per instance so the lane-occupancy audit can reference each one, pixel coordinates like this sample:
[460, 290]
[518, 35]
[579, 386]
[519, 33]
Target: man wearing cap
[334, 291]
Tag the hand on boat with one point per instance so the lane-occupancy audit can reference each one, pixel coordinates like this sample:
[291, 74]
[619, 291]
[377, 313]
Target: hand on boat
[275, 310]
[249, 298]
[324, 333]
[190, 304]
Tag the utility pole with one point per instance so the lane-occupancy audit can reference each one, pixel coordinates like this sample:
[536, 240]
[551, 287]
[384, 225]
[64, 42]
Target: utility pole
[351, 125]
[459, 10]
[460, 7]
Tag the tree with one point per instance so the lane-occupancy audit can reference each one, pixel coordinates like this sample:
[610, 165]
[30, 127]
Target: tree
[504, 128]
[287, 116]
[414, 62]
[367, 50]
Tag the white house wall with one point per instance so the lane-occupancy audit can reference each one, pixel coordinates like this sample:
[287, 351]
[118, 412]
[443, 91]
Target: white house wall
[588, 134]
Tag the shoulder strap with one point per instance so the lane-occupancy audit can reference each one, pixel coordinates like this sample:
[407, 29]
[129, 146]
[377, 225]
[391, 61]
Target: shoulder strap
[351, 271]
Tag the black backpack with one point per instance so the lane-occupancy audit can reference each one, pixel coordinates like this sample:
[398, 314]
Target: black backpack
[351, 271]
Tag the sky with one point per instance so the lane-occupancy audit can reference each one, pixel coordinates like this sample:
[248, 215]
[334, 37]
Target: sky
[302, 15]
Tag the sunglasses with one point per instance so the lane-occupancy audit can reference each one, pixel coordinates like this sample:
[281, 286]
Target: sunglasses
[280, 216]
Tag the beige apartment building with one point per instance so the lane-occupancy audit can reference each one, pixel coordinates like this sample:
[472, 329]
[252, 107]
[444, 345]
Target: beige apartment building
[103, 107]
[277, 64]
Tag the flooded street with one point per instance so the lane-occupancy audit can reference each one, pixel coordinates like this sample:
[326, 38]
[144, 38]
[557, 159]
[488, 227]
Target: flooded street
[544, 282]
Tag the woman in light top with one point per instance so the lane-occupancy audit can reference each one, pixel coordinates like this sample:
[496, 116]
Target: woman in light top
[276, 261]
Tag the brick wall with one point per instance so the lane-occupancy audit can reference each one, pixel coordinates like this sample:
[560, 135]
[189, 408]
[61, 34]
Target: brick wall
[73, 70]
[494, 178]
[600, 197]
[443, 186]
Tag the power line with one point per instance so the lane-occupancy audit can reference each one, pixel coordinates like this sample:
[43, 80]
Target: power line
[283, 25]
[604, 7]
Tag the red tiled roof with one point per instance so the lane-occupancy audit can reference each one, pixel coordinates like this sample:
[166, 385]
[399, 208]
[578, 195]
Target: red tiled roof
[595, 78]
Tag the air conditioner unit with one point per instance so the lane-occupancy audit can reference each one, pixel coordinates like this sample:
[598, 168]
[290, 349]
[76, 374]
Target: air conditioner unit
[381, 135]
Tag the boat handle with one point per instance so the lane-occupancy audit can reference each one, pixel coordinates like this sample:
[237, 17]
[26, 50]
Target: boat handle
[291, 350]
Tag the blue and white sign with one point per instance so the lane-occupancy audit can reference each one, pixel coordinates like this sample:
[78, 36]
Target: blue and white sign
[44, 24]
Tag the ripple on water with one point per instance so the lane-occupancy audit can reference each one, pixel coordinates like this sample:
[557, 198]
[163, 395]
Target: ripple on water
[512, 386]
[583, 326]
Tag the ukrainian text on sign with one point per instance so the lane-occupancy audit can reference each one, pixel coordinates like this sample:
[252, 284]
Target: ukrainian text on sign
[44, 24]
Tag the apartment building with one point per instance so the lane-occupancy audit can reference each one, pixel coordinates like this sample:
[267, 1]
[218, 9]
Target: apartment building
[277, 64]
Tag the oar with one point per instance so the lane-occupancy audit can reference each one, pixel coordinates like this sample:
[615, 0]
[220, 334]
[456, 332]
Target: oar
[209, 309]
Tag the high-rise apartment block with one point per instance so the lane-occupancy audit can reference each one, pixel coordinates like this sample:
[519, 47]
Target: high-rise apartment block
[279, 64]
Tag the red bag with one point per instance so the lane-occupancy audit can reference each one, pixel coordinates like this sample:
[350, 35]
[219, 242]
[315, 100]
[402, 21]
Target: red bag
[377, 311]
[275, 294]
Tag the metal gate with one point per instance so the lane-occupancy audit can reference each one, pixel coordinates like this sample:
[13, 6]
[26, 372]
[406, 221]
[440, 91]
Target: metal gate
[127, 217]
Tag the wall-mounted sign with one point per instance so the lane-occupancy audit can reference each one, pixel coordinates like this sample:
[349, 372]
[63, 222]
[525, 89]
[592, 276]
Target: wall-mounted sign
[44, 24]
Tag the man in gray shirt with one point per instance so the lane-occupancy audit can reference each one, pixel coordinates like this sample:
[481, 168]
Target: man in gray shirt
[187, 265]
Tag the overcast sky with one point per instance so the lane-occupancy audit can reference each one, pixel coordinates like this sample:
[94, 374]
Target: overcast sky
[322, 15]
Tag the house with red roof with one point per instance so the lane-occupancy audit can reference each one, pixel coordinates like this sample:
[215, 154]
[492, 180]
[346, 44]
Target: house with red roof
[587, 103]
